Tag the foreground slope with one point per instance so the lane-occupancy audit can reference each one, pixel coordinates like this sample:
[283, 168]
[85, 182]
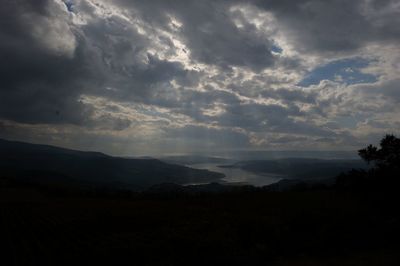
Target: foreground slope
[259, 228]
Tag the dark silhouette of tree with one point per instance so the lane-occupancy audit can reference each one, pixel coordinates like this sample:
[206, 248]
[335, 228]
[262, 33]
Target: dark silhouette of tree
[382, 177]
[387, 156]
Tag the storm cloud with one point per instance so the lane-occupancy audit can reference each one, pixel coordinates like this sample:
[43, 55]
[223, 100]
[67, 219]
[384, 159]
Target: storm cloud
[177, 76]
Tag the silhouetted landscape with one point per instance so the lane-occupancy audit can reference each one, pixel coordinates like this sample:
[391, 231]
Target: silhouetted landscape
[55, 211]
[48, 164]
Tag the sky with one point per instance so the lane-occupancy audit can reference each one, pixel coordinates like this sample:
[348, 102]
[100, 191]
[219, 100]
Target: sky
[155, 77]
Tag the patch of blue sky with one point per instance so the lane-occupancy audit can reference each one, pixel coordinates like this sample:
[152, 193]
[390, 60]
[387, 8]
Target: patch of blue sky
[70, 5]
[276, 49]
[345, 71]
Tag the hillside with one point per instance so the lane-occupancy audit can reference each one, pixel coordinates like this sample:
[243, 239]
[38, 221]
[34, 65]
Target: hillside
[300, 168]
[353, 222]
[193, 159]
[49, 164]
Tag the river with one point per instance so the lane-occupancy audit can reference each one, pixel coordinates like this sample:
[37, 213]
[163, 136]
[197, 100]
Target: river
[239, 176]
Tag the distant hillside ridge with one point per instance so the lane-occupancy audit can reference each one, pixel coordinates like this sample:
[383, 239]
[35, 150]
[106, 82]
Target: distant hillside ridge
[45, 163]
[301, 168]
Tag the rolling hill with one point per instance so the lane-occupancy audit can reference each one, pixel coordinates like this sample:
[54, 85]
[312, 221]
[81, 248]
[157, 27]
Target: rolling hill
[49, 164]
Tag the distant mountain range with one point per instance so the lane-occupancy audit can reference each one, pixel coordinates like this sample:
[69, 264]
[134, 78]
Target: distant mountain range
[194, 159]
[53, 165]
[300, 168]
[248, 155]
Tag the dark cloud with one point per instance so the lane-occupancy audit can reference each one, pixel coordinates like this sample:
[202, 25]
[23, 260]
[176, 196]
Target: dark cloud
[40, 85]
[213, 38]
[39, 82]
[335, 25]
[216, 71]
[210, 33]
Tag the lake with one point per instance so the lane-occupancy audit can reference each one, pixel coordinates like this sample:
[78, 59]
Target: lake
[239, 176]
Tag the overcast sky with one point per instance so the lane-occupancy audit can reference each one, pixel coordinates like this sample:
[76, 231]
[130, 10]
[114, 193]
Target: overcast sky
[148, 77]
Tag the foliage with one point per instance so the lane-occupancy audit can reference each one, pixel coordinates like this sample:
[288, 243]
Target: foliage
[388, 155]
[379, 184]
